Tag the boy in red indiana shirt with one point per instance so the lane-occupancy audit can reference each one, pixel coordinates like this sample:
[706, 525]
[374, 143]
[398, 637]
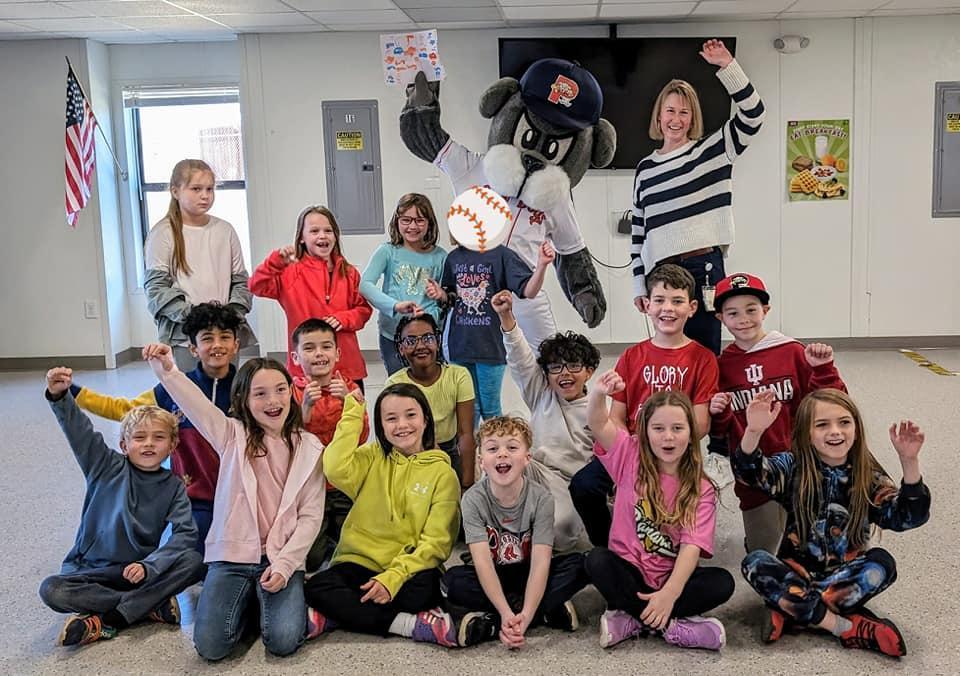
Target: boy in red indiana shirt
[320, 395]
[667, 361]
[758, 361]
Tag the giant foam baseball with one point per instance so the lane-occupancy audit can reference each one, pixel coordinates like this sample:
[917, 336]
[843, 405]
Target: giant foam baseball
[479, 219]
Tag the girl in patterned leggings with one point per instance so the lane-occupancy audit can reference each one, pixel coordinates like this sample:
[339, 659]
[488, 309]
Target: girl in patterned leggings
[833, 490]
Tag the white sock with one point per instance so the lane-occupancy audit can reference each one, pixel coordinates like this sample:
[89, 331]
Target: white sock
[403, 624]
[843, 624]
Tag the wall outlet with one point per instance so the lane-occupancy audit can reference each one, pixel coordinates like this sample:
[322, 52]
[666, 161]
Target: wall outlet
[90, 309]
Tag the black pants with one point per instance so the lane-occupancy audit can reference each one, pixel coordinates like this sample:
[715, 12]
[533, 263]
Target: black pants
[567, 577]
[336, 593]
[707, 269]
[589, 490]
[100, 590]
[336, 507]
[619, 581]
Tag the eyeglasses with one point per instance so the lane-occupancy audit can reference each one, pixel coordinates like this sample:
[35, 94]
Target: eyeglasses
[406, 220]
[428, 339]
[572, 367]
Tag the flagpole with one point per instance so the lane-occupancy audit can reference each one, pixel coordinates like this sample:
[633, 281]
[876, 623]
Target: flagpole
[123, 173]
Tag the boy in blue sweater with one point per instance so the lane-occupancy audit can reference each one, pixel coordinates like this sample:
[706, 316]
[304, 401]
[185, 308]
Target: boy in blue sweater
[117, 572]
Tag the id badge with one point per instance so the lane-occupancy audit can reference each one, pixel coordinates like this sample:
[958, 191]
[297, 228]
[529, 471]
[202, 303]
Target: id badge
[708, 294]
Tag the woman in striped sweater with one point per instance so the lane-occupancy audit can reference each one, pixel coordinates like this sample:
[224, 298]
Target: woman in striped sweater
[682, 193]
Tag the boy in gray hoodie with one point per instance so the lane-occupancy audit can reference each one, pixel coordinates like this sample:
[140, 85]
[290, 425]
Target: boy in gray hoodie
[117, 573]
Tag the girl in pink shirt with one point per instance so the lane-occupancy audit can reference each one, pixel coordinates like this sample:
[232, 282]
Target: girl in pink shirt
[267, 510]
[664, 517]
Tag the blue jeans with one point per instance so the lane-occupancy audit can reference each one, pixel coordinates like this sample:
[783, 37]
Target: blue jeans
[224, 608]
[487, 383]
[388, 353]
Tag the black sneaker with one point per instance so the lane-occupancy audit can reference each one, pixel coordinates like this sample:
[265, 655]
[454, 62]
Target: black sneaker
[167, 612]
[476, 628]
[84, 629]
[564, 617]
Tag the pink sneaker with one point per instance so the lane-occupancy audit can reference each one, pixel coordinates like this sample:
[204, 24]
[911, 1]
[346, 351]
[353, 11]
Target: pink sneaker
[696, 632]
[617, 626]
[318, 623]
[435, 626]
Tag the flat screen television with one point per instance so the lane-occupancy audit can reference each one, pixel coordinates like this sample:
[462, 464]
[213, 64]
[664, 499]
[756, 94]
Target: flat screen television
[631, 72]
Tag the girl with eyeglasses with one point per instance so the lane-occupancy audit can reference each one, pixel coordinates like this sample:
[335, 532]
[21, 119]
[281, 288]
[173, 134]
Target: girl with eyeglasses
[448, 388]
[405, 265]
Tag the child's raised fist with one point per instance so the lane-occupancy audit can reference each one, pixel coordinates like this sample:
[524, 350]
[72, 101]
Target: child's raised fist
[762, 411]
[547, 254]
[502, 302]
[160, 357]
[719, 403]
[288, 254]
[610, 383]
[59, 380]
[818, 354]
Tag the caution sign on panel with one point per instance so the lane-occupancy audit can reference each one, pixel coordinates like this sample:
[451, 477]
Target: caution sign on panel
[953, 122]
[349, 140]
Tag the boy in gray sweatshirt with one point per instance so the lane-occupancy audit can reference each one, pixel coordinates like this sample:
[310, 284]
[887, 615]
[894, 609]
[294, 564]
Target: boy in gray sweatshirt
[117, 573]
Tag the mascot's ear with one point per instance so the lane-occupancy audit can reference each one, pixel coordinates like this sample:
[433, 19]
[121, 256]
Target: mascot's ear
[496, 95]
[604, 144]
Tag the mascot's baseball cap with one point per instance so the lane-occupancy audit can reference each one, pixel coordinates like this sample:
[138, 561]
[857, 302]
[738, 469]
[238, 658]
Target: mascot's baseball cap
[739, 284]
[562, 93]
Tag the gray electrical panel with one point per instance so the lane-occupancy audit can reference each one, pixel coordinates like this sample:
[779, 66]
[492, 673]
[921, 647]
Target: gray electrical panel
[946, 151]
[351, 141]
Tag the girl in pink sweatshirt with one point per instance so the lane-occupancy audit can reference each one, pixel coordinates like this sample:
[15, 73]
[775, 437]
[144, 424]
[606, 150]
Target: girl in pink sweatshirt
[267, 510]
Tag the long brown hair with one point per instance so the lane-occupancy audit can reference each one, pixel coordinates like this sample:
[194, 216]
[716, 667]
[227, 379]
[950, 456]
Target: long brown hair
[685, 91]
[425, 209]
[240, 409]
[689, 472]
[182, 173]
[807, 478]
[302, 248]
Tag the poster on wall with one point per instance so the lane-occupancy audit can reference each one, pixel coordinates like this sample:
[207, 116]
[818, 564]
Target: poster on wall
[818, 160]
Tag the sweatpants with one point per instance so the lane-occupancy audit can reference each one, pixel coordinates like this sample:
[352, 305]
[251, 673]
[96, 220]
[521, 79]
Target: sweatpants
[336, 593]
[618, 581]
[806, 597]
[589, 489]
[100, 590]
[763, 526]
[567, 576]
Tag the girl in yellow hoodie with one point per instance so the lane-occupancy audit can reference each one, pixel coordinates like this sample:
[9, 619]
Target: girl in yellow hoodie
[384, 577]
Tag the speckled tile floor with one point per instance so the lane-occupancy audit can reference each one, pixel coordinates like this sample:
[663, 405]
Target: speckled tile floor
[42, 489]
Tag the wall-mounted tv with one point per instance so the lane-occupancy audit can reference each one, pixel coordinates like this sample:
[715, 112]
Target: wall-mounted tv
[631, 72]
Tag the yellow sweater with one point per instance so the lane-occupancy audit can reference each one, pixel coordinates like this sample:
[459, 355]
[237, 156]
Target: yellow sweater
[406, 510]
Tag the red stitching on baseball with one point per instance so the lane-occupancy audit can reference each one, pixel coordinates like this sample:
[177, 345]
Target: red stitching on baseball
[474, 218]
[491, 199]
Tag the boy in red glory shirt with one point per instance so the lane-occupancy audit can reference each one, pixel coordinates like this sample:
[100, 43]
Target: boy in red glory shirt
[320, 395]
[667, 361]
[758, 361]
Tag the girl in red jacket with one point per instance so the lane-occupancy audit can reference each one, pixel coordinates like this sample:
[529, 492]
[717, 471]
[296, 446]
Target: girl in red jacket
[312, 279]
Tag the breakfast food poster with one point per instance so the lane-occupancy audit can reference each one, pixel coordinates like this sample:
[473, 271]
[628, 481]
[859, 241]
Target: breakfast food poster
[818, 160]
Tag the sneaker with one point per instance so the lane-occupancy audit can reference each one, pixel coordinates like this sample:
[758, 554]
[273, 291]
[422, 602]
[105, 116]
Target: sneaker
[564, 617]
[718, 469]
[476, 628]
[870, 632]
[617, 626]
[167, 612]
[773, 624]
[318, 623]
[435, 626]
[84, 629]
[696, 632]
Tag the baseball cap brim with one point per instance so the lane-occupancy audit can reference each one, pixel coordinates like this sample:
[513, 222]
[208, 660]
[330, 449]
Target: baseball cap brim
[742, 291]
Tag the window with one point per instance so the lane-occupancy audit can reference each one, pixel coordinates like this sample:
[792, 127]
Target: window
[173, 123]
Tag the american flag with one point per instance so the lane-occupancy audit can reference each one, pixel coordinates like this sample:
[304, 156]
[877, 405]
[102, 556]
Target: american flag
[81, 126]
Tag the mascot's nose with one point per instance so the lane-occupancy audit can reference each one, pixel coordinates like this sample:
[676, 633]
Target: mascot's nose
[531, 164]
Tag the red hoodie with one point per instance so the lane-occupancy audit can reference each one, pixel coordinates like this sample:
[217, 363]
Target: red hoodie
[305, 290]
[777, 362]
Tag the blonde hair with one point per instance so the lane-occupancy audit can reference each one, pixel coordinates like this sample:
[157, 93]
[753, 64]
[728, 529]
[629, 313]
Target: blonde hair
[690, 472]
[301, 248]
[684, 90]
[180, 176]
[141, 415]
[504, 426]
[807, 479]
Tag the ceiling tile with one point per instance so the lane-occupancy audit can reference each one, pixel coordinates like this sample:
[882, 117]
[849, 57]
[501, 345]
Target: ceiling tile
[535, 3]
[647, 10]
[311, 28]
[7, 27]
[111, 8]
[740, 7]
[456, 25]
[122, 37]
[822, 14]
[422, 4]
[435, 14]
[38, 10]
[232, 6]
[332, 5]
[920, 4]
[352, 17]
[72, 25]
[550, 13]
[159, 24]
[923, 11]
[834, 5]
[273, 20]
[197, 36]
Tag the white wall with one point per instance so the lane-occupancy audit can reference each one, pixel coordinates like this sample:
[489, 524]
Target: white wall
[47, 269]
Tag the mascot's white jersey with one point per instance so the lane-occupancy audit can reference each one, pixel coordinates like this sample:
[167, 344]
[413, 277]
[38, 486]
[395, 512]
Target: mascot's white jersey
[530, 228]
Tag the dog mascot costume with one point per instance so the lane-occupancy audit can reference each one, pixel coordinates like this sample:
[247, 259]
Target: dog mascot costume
[545, 132]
